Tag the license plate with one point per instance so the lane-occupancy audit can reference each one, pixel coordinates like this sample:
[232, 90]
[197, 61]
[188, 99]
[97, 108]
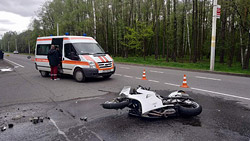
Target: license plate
[105, 71]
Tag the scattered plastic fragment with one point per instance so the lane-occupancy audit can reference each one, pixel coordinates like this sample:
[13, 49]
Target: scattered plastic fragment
[3, 128]
[10, 125]
[17, 117]
[84, 118]
[36, 120]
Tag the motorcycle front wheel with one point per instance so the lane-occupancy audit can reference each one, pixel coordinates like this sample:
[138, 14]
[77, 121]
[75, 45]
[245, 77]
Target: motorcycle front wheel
[188, 110]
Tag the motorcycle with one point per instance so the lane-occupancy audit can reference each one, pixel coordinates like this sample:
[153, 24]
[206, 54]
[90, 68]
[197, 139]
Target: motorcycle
[146, 103]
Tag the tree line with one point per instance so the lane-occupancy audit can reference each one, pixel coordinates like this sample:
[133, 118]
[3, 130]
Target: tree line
[176, 30]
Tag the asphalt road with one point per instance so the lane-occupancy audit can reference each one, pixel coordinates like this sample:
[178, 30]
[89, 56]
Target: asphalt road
[24, 94]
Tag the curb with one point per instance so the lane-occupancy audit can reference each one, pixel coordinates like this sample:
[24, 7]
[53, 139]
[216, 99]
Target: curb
[183, 69]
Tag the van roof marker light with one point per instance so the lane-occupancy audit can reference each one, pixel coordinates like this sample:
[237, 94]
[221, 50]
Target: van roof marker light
[51, 34]
[84, 34]
[66, 33]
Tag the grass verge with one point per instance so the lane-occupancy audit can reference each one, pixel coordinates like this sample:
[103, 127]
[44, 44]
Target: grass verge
[201, 65]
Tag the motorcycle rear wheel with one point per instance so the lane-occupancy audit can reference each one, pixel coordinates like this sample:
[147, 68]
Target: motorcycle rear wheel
[115, 104]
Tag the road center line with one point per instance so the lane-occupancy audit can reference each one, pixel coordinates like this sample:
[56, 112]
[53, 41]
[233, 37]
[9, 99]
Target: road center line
[14, 63]
[125, 68]
[172, 84]
[208, 78]
[154, 81]
[128, 76]
[218, 93]
[156, 71]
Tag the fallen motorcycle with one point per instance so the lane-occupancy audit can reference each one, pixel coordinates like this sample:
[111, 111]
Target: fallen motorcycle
[145, 103]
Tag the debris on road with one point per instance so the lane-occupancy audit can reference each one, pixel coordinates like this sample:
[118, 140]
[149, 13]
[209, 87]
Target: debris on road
[17, 117]
[60, 110]
[3, 128]
[47, 118]
[10, 125]
[36, 120]
[84, 118]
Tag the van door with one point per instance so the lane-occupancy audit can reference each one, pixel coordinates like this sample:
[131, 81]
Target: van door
[59, 43]
[69, 58]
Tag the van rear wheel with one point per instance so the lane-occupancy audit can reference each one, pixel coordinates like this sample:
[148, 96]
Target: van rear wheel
[79, 75]
[44, 73]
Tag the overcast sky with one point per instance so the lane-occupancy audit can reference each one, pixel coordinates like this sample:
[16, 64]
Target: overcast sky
[16, 15]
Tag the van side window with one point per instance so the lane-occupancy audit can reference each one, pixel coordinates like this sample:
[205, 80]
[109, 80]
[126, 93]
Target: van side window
[43, 49]
[68, 50]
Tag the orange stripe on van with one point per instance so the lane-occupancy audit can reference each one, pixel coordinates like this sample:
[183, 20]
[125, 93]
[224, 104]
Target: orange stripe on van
[90, 59]
[41, 60]
[101, 58]
[75, 62]
[44, 39]
[105, 58]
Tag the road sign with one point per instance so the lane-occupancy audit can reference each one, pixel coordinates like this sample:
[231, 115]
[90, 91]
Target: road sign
[218, 11]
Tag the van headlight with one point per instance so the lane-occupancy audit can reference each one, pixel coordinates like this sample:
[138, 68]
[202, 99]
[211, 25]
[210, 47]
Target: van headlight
[92, 64]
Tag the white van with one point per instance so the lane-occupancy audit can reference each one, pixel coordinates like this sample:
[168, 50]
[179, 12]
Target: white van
[82, 57]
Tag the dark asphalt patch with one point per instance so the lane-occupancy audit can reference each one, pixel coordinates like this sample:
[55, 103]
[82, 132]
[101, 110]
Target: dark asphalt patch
[220, 120]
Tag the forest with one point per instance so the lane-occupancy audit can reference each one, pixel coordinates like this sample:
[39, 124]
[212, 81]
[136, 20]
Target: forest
[176, 30]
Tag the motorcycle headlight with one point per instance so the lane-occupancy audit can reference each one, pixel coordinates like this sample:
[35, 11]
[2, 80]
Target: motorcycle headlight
[92, 64]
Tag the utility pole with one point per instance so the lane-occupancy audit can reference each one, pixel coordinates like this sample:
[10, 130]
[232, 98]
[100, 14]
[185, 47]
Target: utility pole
[57, 27]
[93, 4]
[16, 44]
[213, 40]
[29, 47]
[8, 46]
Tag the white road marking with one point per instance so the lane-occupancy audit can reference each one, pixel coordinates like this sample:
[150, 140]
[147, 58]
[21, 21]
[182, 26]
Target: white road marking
[154, 81]
[128, 76]
[218, 93]
[125, 68]
[8, 69]
[208, 78]
[172, 84]
[59, 131]
[156, 71]
[14, 63]
[117, 74]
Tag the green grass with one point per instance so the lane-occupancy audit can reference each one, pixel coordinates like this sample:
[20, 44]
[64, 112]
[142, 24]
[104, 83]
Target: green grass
[200, 65]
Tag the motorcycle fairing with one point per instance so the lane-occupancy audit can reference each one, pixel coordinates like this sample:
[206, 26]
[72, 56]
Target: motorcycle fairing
[148, 99]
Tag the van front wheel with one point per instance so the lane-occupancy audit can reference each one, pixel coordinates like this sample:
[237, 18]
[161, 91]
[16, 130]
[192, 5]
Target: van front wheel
[106, 76]
[79, 75]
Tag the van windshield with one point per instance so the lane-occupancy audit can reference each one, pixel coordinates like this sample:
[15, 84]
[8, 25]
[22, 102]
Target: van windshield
[88, 48]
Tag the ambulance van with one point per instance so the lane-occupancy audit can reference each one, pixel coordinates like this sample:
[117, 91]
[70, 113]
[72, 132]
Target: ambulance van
[82, 57]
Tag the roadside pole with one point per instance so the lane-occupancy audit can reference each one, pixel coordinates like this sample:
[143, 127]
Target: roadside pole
[212, 58]
[93, 4]
[16, 44]
[8, 46]
[29, 47]
[57, 27]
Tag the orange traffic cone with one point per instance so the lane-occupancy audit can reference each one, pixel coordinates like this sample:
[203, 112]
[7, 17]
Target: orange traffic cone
[184, 85]
[144, 75]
